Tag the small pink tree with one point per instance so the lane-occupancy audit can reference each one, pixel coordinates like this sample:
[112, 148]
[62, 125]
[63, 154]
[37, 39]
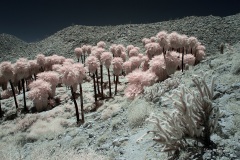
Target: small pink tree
[146, 41]
[106, 60]
[129, 47]
[34, 68]
[78, 52]
[133, 52]
[71, 78]
[158, 66]
[153, 39]
[21, 70]
[153, 49]
[82, 74]
[101, 44]
[86, 51]
[136, 62]
[119, 50]
[200, 53]
[172, 61]
[6, 74]
[192, 43]
[174, 40]
[145, 63]
[127, 67]
[41, 61]
[51, 77]
[117, 63]
[112, 49]
[39, 93]
[189, 59]
[162, 39]
[92, 64]
[137, 80]
[97, 52]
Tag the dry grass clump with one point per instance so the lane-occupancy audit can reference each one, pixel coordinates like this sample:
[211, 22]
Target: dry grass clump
[9, 151]
[26, 122]
[6, 128]
[52, 151]
[48, 151]
[234, 108]
[110, 111]
[46, 129]
[138, 111]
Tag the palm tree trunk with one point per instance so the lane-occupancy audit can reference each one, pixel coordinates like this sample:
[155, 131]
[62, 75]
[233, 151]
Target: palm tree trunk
[24, 97]
[101, 72]
[14, 95]
[109, 83]
[81, 98]
[75, 104]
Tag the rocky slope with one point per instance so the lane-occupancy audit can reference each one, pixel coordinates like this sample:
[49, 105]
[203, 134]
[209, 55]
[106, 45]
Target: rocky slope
[112, 131]
[210, 30]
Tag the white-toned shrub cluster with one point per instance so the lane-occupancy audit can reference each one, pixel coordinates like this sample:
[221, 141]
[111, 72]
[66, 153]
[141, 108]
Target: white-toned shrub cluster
[194, 118]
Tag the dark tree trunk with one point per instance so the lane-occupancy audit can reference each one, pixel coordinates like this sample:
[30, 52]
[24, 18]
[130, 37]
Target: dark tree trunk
[82, 58]
[95, 90]
[1, 112]
[35, 77]
[98, 88]
[75, 104]
[182, 60]
[19, 87]
[24, 97]
[101, 72]
[81, 98]
[14, 96]
[116, 85]
[109, 83]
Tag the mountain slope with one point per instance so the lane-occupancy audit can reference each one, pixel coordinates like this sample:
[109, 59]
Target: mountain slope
[210, 30]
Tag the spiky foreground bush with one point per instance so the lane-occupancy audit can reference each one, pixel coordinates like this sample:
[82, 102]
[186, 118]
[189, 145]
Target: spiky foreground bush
[194, 118]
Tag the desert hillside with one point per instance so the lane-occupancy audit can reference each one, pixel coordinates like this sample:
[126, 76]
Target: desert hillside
[115, 131]
[210, 30]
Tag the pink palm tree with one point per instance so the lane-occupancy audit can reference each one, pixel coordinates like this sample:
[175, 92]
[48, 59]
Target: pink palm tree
[101, 44]
[153, 49]
[21, 70]
[78, 52]
[97, 52]
[92, 64]
[82, 74]
[117, 63]
[71, 78]
[158, 66]
[51, 77]
[39, 93]
[6, 74]
[135, 61]
[172, 61]
[41, 61]
[137, 80]
[106, 59]
[127, 67]
[133, 52]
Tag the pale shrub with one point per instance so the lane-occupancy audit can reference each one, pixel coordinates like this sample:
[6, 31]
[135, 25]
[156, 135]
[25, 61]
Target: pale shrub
[110, 111]
[138, 111]
[46, 129]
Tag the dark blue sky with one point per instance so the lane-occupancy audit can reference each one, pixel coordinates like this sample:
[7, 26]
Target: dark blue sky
[34, 20]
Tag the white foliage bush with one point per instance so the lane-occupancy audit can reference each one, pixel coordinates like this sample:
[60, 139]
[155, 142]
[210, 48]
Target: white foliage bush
[195, 117]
